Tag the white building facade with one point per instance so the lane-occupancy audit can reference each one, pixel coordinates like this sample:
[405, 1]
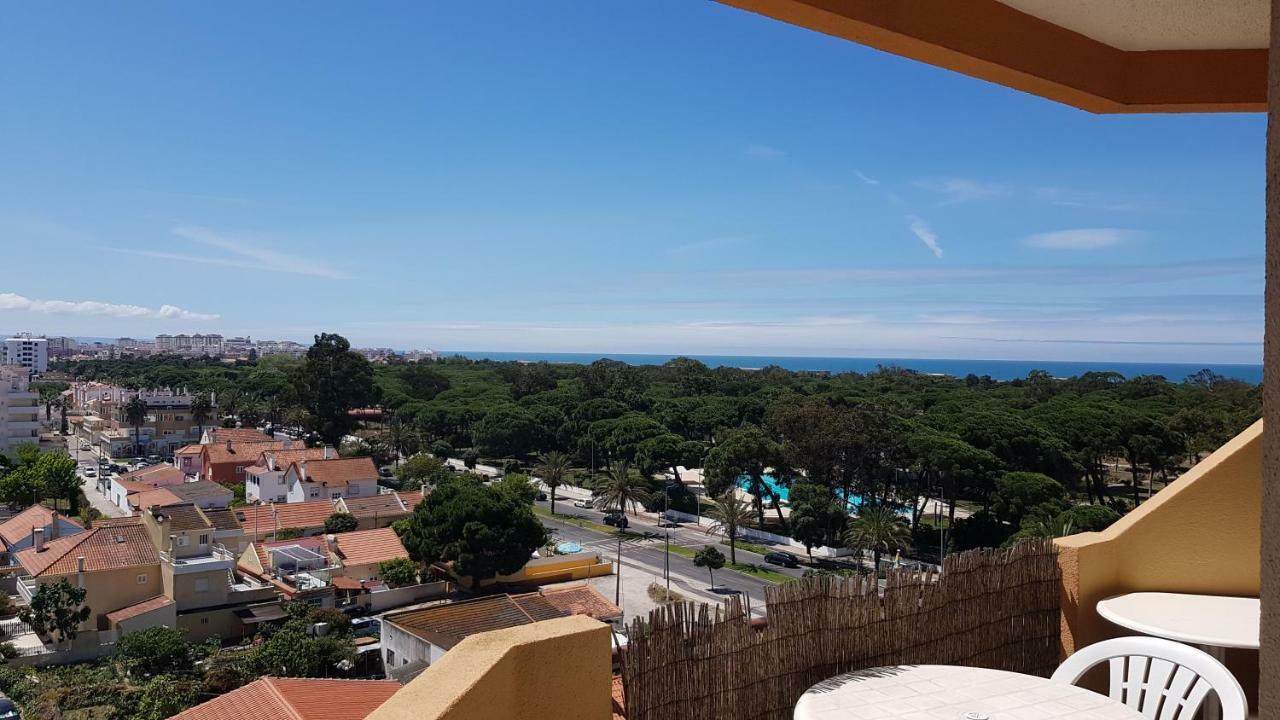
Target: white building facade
[19, 410]
[28, 352]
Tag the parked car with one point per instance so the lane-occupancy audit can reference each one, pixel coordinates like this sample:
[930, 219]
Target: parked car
[617, 519]
[8, 711]
[366, 627]
[154, 459]
[541, 496]
[783, 559]
[668, 523]
[90, 472]
[85, 447]
[582, 503]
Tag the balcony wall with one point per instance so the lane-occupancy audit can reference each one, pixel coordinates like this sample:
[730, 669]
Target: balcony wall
[1201, 534]
[552, 669]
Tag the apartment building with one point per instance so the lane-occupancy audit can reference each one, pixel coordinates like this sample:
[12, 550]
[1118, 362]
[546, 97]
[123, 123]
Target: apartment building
[167, 427]
[26, 351]
[19, 410]
[61, 346]
[191, 345]
[197, 571]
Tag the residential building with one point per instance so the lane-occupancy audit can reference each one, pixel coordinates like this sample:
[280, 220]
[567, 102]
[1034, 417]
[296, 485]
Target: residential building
[198, 571]
[237, 346]
[190, 459]
[124, 490]
[226, 462]
[19, 532]
[300, 569]
[273, 698]
[261, 522]
[117, 565]
[421, 637]
[167, 426]
[359, 553]
[62, 346]
[281, 347]
[19, 410]
[216, 435]
[264, 480]
[25, 351]
[189, 345]
[331, 478]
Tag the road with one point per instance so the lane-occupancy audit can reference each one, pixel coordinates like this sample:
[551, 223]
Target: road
[645, 550]
[89, 458]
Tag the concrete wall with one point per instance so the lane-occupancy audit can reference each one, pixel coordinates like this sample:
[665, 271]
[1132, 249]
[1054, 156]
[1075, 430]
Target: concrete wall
[503, 674]
[221, 623]
[166, 616]
[400, 647]
[399, 597]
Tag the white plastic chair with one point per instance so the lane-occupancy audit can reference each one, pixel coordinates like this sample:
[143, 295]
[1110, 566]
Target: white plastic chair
[1161, 679]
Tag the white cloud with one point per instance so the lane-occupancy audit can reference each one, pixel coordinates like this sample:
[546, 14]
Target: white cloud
[251, 255]
[1065, 197]
[866, 180]
[764, 151]
[926, 234]
[15, 302]
[1081, 239]
[961, 190]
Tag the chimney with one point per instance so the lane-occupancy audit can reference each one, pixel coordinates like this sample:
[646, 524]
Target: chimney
[39, 533]
[328, 452]
[53, 526]
[271, 463]
[228, 446]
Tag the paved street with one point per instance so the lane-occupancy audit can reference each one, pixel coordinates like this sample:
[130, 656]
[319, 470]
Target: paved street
[89, 458]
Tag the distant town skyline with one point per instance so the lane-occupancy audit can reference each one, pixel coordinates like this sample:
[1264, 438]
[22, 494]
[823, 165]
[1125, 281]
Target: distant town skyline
[705, 182]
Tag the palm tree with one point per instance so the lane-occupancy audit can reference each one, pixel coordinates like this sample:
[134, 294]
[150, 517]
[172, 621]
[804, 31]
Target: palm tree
[619, 488]
[201, 409]
[730, 512]
[879, 528]
[135, 413]
[552, 469]
[63, 403]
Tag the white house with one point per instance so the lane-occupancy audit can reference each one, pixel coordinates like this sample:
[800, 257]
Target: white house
[330, 479]
[141, 481]
[264, 481]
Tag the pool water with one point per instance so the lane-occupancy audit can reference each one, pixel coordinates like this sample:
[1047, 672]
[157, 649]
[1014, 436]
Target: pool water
[783, 493]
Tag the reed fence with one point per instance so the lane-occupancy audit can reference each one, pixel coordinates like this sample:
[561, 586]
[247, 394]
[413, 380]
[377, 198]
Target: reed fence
[986, 608]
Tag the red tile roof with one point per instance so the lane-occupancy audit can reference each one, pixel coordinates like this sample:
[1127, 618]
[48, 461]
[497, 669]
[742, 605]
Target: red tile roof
[383, 505]
[20, 526]
[273, 698]
[103, 548]
[582, 600]
[363, 547]
[137, 609]
[410, 499]
[619, 699]
[265, 518]
[153, 497]
[189, 450]
[338, 471]
[222, 435]
[285, 458]
[155, 476]
[240, 452]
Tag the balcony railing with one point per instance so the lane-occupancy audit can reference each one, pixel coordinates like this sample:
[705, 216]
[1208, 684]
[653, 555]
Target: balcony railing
[218, 556]
[27, 587]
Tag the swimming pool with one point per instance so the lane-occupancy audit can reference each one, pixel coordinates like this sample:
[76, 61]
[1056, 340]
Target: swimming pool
[783, 493]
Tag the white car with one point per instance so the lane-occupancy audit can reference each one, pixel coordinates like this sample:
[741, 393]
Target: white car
[582, 503]
[90, 472]
[84, 447]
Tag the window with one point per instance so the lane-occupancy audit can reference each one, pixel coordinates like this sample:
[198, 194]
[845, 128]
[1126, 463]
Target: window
[182, 541]
[142, 578]
[281, 498]
[202, 585]
[204, 621]
[315, 493]
[179, 418]
[391, 657]
[335, 496]
[239, 469]
[204, 539]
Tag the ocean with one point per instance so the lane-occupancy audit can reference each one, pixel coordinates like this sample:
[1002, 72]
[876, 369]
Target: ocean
[997, 369]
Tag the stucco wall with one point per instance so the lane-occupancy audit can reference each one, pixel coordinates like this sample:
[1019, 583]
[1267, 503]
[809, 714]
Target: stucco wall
[1199, 535]
[109, 590]
[503, 674]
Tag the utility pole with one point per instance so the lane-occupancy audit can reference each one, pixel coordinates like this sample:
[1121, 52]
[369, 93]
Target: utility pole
[666, 559]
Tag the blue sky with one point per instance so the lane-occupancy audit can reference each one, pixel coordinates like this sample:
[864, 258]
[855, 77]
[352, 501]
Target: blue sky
[669, 176]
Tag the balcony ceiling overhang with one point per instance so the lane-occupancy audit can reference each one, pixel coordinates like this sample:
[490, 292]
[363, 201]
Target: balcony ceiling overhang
[1104, 56]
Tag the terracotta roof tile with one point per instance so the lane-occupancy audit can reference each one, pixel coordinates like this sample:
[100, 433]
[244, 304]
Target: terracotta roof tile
[410, 499]
[619, 699]
[338, 471]
[222, 518]
[583, 600]
[240, 452]
[273, 698]
[20, 526]
[137, 609]
[265, 518]
[221, 435]
[189, 450]
[285, 458]
[363, 547]
[117, 522]
[153, 497]
[154, 476]
[103, 548]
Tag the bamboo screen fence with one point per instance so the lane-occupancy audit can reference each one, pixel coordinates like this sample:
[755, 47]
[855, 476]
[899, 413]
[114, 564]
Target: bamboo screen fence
[988, 608]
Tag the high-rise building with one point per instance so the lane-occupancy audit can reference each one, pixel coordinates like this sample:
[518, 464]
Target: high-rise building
[28, 352]
[19, 410]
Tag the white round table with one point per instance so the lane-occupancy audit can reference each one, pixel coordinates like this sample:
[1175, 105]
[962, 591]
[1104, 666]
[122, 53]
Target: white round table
[948, 692]
[1213, 621]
